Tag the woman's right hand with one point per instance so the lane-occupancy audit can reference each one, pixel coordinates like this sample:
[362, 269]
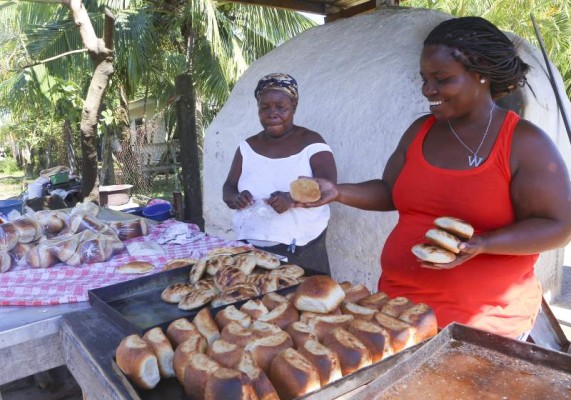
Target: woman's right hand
[329, 193]
[243, 200]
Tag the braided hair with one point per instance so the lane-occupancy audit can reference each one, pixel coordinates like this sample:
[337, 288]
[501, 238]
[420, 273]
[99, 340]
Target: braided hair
[481, 47]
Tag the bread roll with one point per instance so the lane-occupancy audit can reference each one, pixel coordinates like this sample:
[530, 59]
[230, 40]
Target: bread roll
[304, 190]
[175, 293]
[206, 283]
[196, 298]
[324, 359]
[455, 226]
[375, 301]
[254, 308]
[372, 336]
[226, 383]
[324, 324]
[197, 371]
[433, 254]
[265, 283]
[282, 315]
[66, 247]
[8, 237]
[180, 330]
[26, 228]
[130, 229]
[133, 267]
[213, 264]
[272, 300]
[293, 375]
[225, 353]
[197, 271]
[400, 332]
[264, 349]
[178, 263]
[245, 262]
[300, 333]
[441, 238]
[355, 293]
[423, 319]
[265, 259]
[262, 329]
[136, 359]
[352, 353]
[162, 348]
[237, 334]
[206, 325]
[357, 311]
[258, 378]
[228, 251]
[395, 306]
[229, 314]
[283, 281]
[181, 356]
[40, 256]
[228, 276]
[319, 294]
[233, 294]
[6, 261]
[289, 270]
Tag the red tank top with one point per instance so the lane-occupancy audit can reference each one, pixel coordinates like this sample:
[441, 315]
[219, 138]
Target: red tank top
[496, 293]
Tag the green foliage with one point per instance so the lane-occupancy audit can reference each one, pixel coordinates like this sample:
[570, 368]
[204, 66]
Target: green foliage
[8, 166]
[553, 18]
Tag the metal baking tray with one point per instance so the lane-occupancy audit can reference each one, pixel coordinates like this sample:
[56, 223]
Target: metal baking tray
[466, 363]
[136, 305]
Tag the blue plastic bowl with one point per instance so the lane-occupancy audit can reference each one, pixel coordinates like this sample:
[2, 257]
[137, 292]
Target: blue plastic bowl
[138, 211]
[158, 212]
[8, 205]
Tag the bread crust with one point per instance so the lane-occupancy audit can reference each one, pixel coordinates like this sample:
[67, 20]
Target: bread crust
[433, 254]
[304, 190]
[318, 293]
[456, 226]
[441, 238]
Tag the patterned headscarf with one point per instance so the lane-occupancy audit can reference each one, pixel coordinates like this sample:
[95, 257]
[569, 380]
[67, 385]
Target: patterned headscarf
[277, 81]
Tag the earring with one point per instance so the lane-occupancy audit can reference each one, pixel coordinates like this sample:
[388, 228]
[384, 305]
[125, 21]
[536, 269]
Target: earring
[482, 81]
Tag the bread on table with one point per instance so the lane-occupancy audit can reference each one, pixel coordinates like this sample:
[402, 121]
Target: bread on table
[254, 308]
[262, 329]
[133, 267]
[196, 298]
[227, 383]
[300, 333]
[245, 262]
[318, 293]
[228, 251]
[423, 319]
[198, 369]
[455, 226]
[282, 315]
[238, 292]
[197, 271]
[304, 190]
[180, 330]
[228, 276]
[265, 260]
[237, 334]
[206, 325]
[324, 324]
[175, 292]
[353, 354]
[373, 337]
[161, 346]
[229, 314]
[265, 349]
[394, 307]
[293, 375]
[357, 311]
[8, 237]
[176, 263]
[375, 301]
[264, 282]
[213, 264]
[225, 353]
[258, 378]
[182, 353]
[441, 238]
[325, 359]
[354, 293]
[136, 359]
[272, 300]
[6, 261]
[401, 333]
[290, 270]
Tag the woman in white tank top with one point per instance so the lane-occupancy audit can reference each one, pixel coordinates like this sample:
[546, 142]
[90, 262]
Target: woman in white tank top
[265, 164]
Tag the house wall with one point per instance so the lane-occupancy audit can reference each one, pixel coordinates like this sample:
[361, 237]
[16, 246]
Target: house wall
[359, 87]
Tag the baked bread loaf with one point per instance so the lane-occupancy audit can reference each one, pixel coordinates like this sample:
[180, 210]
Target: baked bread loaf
[395, 306]
[423, 319]
[304, 190]
[372, 336]
[213, 264]
[282, 315]
[289, 270]
[258, 378]
[161, 346]
[238, 292]
[265, 259]
[254, 308]
[264, 349]
[324, 324]
[400, 332]
[180, 330]
[199, 367]
[5, 261]
[455, 226]
[136, 359]
[8, 237]
[133, 267]
[229, 314]
[237, 334]
[433, 254]
[182, 353]
[441, 238]
[272, 300]
[357, 311]
[300, 333]
[197, 271]
[262, 329]
[318, 293]
[206, 325]
[324, 359]
[293, 375]
[245, 262]
[225, 353]
[175, 293]
[196, 298]
[375, 301]
[352, 353]
[354, 293]
[179, 263]
[227, 383]
[228, 251]
[228, 276]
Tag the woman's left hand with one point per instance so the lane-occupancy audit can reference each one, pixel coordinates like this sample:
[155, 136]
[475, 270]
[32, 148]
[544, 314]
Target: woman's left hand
[280, 202]
[468, 250]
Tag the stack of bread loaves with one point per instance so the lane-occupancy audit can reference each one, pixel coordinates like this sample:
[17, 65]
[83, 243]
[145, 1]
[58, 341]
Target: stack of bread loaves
[229, 275]
[444, 240]
[280, 347]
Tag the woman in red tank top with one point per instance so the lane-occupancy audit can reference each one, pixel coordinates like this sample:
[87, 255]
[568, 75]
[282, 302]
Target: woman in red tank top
[472, 160]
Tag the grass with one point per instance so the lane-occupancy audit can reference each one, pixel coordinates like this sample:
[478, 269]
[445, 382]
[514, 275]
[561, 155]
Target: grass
[13, 184]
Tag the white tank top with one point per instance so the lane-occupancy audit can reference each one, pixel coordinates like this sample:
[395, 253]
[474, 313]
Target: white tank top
[262, 176]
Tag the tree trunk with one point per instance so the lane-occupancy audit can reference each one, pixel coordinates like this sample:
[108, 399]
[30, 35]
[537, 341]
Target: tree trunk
[190, 161]
[70, 152]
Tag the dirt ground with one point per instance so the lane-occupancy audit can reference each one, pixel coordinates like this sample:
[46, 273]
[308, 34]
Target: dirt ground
[55, 384]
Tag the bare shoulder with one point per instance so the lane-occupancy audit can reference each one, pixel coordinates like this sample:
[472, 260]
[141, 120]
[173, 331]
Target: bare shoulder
[531, 144]
[410, 132]
[310, 137]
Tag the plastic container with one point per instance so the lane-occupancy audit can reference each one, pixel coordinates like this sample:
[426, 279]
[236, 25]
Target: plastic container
[134, 211]
[114, 195]
[35, 190]
[8, 205]
[60, 177]
[158, 212]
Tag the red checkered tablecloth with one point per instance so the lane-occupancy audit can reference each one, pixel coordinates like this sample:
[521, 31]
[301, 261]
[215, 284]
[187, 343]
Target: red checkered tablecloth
[24, 286]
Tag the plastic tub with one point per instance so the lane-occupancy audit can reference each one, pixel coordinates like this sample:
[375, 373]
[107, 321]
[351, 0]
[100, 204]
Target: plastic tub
[158, 212]
[8, 205]
[134, 211]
